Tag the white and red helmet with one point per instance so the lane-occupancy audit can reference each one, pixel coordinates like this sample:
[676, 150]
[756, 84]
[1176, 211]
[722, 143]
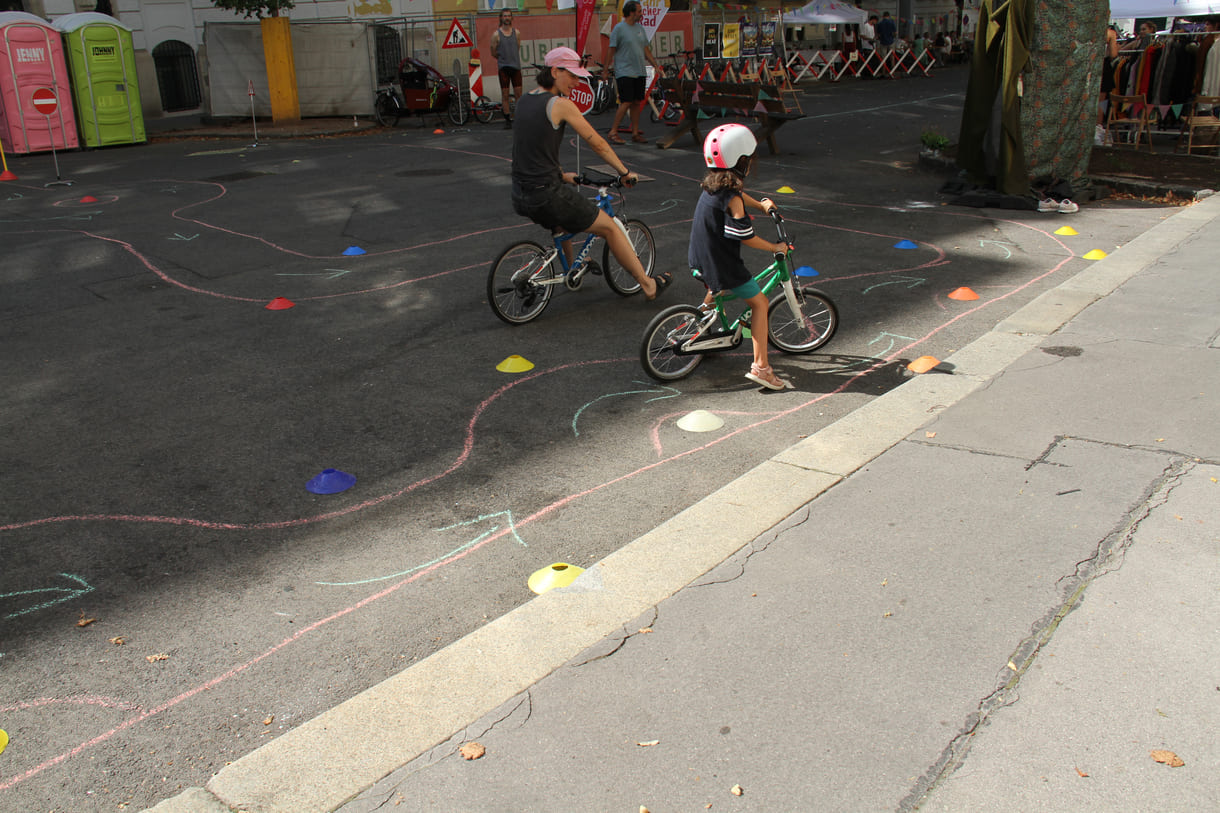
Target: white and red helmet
[728, 144]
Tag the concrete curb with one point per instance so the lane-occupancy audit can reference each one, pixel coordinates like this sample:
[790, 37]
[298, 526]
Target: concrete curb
[425, 704]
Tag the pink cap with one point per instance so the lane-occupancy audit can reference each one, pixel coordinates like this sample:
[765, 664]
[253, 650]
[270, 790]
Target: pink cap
[567, 59]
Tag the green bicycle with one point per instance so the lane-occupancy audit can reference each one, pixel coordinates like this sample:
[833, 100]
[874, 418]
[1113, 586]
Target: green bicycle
[800, 319]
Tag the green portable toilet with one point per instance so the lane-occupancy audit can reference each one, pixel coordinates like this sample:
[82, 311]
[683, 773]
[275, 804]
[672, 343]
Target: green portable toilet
[102, 67]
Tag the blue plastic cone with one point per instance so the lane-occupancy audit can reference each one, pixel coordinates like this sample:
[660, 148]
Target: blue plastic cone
[353, 251]
[331, 481]
[905, 244]
[805, 271]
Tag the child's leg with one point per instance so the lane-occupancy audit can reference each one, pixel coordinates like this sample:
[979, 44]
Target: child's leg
[758, 328]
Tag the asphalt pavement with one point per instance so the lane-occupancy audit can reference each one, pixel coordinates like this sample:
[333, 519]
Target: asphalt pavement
[991, 588]
[173, 598]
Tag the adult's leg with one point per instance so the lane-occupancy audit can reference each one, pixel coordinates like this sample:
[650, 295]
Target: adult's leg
[621, 248]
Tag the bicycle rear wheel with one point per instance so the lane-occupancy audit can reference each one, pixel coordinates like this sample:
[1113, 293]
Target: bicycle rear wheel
[386, 110]
[618, 278]
[807, 330]
[484, 109]
[513, 288]
[664, 334]
[459, 110]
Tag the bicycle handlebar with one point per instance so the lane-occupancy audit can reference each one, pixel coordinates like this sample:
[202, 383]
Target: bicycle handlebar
[778, 220]
[603, 180]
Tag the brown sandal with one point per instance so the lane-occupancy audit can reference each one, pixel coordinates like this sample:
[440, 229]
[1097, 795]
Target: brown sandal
[766, 377]
[615, 138]
[639, 138]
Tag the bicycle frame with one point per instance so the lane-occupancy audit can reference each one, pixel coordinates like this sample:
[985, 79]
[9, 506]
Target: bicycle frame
[574, 270]
[774, 276]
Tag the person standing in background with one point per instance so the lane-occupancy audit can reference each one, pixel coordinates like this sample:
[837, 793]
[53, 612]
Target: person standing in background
[887, 32]
[506, 48]
[629, 54]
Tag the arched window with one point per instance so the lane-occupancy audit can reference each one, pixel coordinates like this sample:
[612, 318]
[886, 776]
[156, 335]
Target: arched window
[177, 76]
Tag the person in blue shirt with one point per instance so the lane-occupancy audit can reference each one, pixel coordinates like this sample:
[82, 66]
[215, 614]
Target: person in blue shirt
[887, 33]
[721, 227]
[629, 55]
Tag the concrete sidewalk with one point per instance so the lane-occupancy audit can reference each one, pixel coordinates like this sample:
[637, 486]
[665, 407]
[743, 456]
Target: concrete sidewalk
[993, 588]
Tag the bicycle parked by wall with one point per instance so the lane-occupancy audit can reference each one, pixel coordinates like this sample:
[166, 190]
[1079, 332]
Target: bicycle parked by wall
[421, 89]
[525, 275]
[799, 320]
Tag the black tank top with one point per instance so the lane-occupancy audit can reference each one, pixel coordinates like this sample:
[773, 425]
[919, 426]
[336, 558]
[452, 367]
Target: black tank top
[536, 144]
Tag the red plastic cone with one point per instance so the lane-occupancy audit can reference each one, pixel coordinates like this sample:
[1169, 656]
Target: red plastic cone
[7, 175]
[88, 199]
[280, 304]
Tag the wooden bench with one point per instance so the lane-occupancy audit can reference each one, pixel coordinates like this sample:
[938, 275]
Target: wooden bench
[702, 101]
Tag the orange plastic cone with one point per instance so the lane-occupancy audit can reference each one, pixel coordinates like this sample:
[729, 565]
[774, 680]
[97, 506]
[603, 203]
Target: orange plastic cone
[923, 364]
[438, 131]
[964, 294]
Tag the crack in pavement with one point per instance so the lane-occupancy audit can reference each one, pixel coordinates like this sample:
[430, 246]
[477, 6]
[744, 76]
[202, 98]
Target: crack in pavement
[1107, 557]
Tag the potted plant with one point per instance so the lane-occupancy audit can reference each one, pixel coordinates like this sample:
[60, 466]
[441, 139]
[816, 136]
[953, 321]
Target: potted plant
[933, 142]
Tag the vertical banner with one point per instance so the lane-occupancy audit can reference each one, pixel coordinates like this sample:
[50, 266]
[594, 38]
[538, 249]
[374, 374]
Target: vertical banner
[766, 39]
[749, 40]
[711, 40]
[730, 41]
[586, 11]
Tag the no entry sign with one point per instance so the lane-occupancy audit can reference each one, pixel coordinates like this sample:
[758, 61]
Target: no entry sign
[582, 97]
[44, 101]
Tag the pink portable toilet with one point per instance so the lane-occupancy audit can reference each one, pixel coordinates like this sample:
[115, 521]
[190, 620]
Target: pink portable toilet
[36, 111]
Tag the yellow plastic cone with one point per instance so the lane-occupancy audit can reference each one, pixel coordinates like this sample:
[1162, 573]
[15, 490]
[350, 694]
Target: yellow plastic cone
[964, 294]
[1067, 231]
[1095, 254]
[923, 364]
[515, 364]
[3, 740]
[560, 574]
[786, 190]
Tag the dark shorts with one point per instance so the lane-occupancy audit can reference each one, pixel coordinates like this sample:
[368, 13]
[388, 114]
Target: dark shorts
[630, 89]
[510, 76]
[1107, 75]
[559, 206]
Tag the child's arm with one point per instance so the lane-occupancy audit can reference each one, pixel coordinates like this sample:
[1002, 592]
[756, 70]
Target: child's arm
[764, 205]
[737, 209]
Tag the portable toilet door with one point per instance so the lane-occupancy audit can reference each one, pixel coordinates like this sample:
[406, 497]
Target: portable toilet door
[32, 65]
[105, 89]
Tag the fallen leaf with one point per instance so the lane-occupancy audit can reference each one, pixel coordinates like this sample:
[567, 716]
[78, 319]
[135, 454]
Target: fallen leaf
[644, 809]
[1168, 757]
[118, 640]
[84, 622]
[269, 719]
[885, 581]
[645, 630]
[886, 615]
[648, 744]
[736, 790]
[929, 434]
[160, 656]
[1012, 666]
[1082, 773]
[472, 750]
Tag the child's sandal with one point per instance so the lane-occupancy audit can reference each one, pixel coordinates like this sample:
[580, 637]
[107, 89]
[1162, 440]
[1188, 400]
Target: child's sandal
[766, 377]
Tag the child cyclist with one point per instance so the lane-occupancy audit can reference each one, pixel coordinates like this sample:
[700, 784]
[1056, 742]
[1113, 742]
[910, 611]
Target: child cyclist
[721, 227]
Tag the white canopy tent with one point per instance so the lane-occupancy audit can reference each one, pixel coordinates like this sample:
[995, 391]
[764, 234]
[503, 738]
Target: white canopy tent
[826, 12]
[1129, 9]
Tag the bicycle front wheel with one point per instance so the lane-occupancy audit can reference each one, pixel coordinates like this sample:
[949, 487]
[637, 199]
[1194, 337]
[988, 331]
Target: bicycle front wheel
[386, 110]
[668, 330]
[810, 328]
[618, 278]
[459, 111]
[484, 109]
[514, 287]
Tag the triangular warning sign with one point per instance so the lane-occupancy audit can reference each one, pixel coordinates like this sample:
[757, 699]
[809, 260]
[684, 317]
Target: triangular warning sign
[457, 36]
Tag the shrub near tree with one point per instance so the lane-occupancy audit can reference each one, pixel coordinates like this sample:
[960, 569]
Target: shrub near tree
[255, 8]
